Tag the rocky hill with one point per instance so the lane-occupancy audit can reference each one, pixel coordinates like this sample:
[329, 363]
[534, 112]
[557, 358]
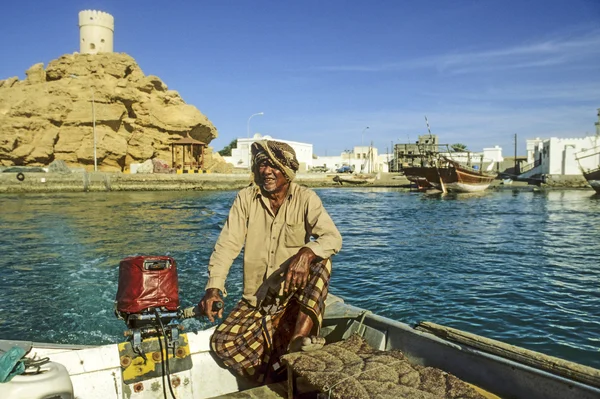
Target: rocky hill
[49, 115]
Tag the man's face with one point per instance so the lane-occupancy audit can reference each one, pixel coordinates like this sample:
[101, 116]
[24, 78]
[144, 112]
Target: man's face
[272, 179]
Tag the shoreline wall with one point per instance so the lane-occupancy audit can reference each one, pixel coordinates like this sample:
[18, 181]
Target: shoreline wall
[83, 181]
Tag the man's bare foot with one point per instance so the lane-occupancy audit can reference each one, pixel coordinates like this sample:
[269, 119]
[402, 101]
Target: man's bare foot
[306, 344]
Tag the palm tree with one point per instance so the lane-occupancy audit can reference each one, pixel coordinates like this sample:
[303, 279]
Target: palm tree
[227, 150]
[458, 147]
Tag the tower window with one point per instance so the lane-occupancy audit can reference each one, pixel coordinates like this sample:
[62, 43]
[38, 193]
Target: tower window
[92, 46]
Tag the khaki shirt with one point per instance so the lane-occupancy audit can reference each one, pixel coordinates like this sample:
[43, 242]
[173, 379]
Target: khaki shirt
[270, 241]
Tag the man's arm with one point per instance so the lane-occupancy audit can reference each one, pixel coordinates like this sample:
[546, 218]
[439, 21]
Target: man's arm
[227, 248]
[327, 242]
[327, 239]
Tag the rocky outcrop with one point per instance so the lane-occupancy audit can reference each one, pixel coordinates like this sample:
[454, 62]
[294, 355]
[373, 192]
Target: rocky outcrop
[214, 162]
[51, 114]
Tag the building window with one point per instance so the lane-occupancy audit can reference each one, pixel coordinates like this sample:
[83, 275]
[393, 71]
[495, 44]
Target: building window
[92, 46]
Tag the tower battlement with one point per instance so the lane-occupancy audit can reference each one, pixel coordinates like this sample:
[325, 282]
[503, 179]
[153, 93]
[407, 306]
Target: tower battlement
[96, 31]
[96, 18]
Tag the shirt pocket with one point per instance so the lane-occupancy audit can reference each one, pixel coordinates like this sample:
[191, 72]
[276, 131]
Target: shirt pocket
[294, 235]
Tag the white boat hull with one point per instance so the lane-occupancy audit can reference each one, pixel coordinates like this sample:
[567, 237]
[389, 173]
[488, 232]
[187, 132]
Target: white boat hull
[96, 372]
[462, 187]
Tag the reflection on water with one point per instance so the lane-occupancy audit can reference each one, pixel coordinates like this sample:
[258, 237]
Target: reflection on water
[521, 267]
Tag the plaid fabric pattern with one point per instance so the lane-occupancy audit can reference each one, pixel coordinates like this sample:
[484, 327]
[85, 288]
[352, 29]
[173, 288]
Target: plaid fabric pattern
[251, 339]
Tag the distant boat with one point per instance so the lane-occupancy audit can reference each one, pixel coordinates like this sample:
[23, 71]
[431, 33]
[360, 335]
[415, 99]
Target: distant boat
[440, 169]
[590, 168]
[449, 175]
[461, 178]
[360, 178]
[355, 179]
[418, 176]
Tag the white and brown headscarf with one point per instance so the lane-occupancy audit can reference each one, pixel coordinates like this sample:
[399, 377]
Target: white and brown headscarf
[282, 155]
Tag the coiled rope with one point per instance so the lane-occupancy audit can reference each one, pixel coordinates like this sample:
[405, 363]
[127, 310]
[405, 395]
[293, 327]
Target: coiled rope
[329, 389]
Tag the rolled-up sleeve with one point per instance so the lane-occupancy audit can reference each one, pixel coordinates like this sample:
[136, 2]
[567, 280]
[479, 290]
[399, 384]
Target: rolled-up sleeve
[229, 245]
[327, 240]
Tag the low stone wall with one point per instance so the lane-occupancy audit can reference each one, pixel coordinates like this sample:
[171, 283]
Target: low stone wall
[566, 181]
[82, 181]
[103, 181]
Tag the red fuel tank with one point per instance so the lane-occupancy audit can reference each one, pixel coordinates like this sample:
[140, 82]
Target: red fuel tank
[147, 282]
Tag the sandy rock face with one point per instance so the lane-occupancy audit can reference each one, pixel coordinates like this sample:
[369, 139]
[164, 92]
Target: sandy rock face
[50, 115]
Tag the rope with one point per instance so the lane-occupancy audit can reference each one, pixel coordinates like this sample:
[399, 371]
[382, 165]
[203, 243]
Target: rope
[34, 363]
[362, 319]
[330, 388]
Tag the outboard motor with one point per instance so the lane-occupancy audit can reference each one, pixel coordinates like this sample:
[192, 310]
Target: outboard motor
[148, 299]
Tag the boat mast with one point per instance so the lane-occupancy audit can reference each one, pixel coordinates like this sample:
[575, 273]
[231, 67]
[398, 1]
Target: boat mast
[436, 161]
[371, 158]
[515, 170]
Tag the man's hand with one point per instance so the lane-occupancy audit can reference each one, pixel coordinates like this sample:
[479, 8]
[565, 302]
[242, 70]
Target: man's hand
[206, 304]
[298, 269]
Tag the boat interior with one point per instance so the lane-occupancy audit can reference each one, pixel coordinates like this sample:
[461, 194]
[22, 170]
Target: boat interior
[493, 369]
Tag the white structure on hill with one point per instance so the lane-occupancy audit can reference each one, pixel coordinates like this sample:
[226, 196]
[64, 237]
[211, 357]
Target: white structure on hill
[96, 31]
[241, 156]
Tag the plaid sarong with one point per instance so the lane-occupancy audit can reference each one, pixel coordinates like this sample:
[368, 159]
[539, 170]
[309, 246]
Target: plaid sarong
[251, 339]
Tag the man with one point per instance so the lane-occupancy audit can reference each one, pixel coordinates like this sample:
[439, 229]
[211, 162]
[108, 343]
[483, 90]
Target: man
[288, 238]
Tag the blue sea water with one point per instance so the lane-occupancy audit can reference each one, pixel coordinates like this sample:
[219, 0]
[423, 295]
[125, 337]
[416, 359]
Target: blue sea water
[520, 267]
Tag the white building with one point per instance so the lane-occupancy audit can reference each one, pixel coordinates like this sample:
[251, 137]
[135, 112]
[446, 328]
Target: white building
[241, 156]
[363, 159]
[556, 156]
[96, 31]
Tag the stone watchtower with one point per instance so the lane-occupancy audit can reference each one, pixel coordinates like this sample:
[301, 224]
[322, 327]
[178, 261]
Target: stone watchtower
[96, 30]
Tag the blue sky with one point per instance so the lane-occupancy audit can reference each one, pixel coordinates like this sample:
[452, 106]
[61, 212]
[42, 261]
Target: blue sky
[321, 71]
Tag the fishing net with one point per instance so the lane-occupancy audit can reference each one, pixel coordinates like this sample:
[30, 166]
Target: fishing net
[352, 369]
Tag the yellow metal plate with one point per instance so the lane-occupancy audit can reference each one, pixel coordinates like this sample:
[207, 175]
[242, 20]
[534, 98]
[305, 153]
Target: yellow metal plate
[135, 368]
